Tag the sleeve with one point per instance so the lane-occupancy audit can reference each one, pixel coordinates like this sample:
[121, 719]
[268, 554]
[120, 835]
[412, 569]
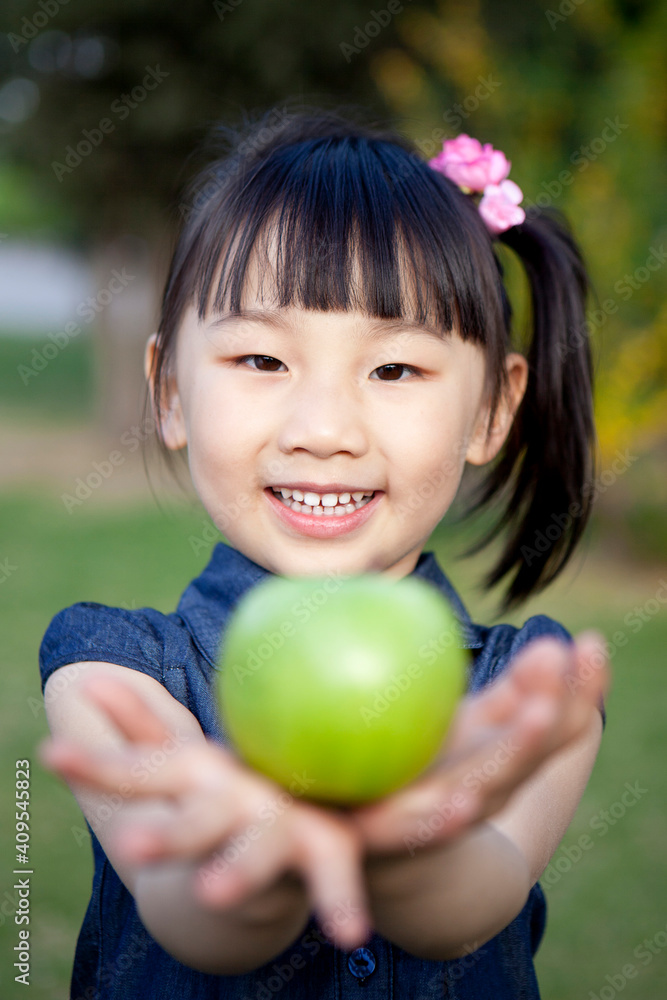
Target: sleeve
[89, 631]
[504, 642]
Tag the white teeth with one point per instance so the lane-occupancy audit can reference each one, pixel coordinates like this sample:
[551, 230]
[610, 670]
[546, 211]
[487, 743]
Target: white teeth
[328, 505]
[324, 500]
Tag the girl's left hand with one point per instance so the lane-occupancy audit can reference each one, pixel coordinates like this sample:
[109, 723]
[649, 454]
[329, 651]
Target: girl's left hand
[498, 738]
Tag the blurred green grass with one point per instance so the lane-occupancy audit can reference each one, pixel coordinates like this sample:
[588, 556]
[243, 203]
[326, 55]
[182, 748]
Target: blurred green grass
[135, 554]
[37, 388]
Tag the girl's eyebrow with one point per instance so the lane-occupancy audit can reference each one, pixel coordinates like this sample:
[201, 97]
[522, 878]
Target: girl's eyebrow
[371, 331]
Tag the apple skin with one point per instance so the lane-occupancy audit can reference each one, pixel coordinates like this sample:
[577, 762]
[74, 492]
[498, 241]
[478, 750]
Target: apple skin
[352, 684]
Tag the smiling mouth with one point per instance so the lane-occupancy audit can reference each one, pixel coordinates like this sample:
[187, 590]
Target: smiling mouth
[322, 505]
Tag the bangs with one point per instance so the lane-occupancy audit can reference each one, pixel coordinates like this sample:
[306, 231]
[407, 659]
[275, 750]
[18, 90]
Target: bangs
[347, 223]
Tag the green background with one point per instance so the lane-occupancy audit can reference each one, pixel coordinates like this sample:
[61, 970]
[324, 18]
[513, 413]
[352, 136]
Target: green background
[539, 83]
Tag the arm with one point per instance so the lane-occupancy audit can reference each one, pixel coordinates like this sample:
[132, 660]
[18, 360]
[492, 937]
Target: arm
[464, 877]
[169, 820]
[224, 943]
[449, 899]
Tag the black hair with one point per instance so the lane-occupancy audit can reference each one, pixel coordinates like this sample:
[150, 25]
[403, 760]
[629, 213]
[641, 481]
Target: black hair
[336, 191]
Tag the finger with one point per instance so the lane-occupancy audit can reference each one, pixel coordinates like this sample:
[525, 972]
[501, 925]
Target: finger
[245, 863]
[126, 709]
[448, 800]
[575, 677]
[485, 764]
[330, 859]
[591, 676]
[204, 822]
[546, 671]
[481, 715]
[539, 667]
[141, 770]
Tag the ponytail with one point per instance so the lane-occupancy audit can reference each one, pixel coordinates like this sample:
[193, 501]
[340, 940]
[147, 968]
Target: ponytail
[547, 465]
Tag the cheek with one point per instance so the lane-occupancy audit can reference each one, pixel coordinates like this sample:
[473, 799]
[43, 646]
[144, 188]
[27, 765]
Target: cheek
[219, 433]
[431, 439]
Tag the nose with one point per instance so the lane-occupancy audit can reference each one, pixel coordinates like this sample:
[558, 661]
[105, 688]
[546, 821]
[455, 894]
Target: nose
[323, 419]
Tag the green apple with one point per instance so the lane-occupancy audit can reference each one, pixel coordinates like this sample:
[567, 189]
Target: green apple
[347, 683]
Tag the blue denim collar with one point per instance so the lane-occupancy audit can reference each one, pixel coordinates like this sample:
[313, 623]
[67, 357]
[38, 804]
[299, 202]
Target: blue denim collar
[211, 597]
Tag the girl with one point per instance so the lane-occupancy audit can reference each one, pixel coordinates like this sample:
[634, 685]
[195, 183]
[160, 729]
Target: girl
[334, 347]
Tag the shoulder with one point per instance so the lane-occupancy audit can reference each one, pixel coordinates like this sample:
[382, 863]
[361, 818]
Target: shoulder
[88, 631]
[164, 647]
[501, 643]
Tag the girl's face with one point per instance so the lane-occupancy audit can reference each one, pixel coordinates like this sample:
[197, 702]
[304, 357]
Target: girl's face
[329, 403]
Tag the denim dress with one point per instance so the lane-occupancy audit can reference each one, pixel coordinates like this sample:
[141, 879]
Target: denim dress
[117, 959]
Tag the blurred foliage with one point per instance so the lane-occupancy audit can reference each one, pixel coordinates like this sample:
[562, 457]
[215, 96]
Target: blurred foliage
[216, 59]
[544, 85]
[575, 93]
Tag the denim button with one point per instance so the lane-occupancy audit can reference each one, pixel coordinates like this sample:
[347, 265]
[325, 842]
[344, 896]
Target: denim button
[361, 962]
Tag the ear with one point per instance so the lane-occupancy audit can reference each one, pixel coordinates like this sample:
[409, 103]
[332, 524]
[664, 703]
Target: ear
[171, 420]
[485, 443]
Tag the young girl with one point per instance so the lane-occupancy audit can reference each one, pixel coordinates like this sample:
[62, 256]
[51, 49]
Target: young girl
[334, 347]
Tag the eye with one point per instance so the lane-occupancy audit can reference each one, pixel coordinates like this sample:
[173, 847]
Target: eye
[395, 372]
[262, 358]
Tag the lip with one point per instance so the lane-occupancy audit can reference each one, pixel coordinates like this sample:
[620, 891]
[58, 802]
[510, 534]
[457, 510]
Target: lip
[324, 526]
[322, 488]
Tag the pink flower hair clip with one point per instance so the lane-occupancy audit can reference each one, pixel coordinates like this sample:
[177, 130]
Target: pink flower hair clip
[477, 168]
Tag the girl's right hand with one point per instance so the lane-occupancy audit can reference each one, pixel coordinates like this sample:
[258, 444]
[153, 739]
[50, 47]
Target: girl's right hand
[200, 803]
